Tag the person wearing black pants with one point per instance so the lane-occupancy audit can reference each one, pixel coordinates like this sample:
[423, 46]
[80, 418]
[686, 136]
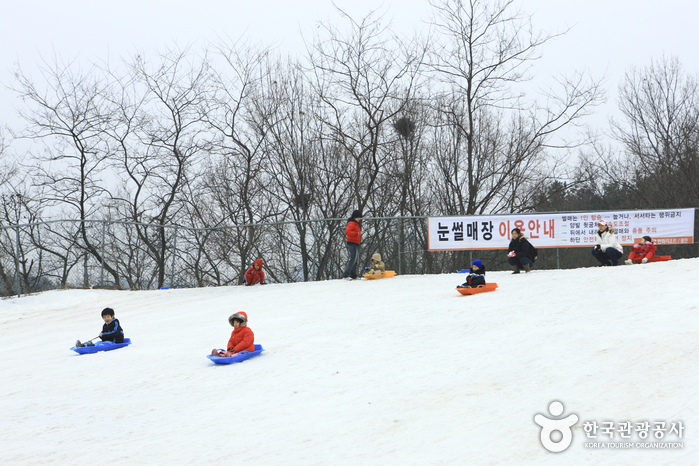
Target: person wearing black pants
[520, 254]
[607, 251]
[353, 233]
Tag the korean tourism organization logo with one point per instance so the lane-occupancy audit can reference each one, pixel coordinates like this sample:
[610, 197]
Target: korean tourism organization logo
[551, 426]
[557, 434]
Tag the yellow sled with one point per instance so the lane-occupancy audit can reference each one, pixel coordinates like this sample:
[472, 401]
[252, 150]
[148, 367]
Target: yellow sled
[376, 276]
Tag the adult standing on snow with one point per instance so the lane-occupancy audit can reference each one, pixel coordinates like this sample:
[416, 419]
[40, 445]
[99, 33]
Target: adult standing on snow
[520, 254]
[608, 251]
[353, 232]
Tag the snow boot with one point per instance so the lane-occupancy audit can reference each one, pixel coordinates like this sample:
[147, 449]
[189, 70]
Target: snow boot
[526, 268]
[516, 269]
[629, 262]
[89, 343]
[78, 344]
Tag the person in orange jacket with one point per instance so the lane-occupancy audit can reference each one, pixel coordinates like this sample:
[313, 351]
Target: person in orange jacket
[242, 337]
[642, 252]
[353, 233]
[255, 274]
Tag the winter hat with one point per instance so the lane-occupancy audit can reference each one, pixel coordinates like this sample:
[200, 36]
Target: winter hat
[241, 316]
[477, 263]
[602, 222]
[357, 214]
[376, 257]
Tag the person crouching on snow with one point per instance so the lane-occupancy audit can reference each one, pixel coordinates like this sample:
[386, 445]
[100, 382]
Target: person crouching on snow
[607, 251]
[520, 253]
[476, 276]
[255, 274]
[642, 252]
[242, 337]
[377, 266]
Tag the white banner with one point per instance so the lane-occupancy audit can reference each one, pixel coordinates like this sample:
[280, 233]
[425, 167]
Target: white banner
[559, 230]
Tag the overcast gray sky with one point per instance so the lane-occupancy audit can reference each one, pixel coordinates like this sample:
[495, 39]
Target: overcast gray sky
[607, 36]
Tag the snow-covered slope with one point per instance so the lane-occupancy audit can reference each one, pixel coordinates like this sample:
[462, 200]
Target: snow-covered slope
[396, 371]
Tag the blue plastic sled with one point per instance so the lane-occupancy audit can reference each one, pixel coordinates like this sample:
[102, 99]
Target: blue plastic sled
[101, 346]
[242, 356]
[463, 271]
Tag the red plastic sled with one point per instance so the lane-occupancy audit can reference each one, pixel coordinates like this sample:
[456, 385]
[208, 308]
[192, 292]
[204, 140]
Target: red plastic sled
[656, 259]
[478, 289]
[376, 276]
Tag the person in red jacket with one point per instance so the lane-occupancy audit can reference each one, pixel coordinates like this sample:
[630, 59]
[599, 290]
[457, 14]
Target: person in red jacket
[255, 274]
[242, 338]
[353, 233]
[642, 252]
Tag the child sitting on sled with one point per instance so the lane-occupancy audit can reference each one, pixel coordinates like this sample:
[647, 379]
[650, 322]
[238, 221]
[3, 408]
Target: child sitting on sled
[242, 338]
[255, 274]
[476, 275]
[111, 330]
[642, 252]
[377, 266]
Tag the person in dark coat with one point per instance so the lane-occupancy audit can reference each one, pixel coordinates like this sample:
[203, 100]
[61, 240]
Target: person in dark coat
[111, 330]
[476, 275]
[353, 233]
[520, 254]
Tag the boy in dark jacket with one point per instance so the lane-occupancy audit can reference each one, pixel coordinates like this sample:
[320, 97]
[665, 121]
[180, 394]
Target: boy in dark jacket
[521, 254]
[476, 276]
[111, 330]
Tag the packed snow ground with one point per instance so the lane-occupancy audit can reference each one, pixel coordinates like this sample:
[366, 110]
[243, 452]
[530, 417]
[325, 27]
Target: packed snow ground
[396, 371]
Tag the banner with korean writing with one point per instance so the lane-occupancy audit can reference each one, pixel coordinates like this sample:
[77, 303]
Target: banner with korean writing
[555, 230]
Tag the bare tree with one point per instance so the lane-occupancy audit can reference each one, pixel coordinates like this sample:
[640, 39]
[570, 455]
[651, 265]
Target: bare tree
[69, 111]
[296, 160]
[157, 143]
[236, 175]
[495, 139]
[660, 134]
[364, 78]
[8, 167]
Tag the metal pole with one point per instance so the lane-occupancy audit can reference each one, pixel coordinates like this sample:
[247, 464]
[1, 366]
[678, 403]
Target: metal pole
[104, 224]
[174, 252]
[18, 282]
[86, 276]
[558, 258]
[400, 246]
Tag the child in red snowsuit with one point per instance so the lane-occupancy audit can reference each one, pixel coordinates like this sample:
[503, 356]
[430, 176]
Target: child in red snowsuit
[242, 338]
[255, 274]
[642, 252]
